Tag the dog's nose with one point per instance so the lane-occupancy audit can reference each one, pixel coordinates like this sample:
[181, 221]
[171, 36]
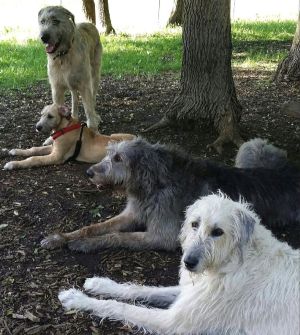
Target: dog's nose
[38, 127]
[45, 37]
[190, 262]
[90, 173]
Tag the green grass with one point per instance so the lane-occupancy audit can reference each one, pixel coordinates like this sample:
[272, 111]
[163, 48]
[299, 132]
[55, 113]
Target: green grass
[261, 44]
[256, 45]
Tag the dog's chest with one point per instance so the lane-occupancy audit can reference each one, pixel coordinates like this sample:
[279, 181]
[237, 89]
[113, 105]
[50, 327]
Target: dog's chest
[61, 72]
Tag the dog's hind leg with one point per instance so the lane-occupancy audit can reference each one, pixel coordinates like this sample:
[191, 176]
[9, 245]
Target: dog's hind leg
[134, 241]
[156, 296]
[34, 151]
[160, 321]
[95, 69]
[93, 119]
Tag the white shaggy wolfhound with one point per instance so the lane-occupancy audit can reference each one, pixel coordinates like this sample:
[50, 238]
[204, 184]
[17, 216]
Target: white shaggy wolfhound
[236, 278]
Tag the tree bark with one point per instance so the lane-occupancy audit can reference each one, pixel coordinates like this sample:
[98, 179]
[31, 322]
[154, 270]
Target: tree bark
[289, 68]
[105, 17]
[89, 10]
[207, 88]
[176, 15]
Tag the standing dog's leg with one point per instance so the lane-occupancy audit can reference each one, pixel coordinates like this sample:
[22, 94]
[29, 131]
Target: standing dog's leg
[75, 108]
[160, 321]
[34, 151]
[95, 70]
[156, 296]
[89, 107]
[58, 93]
[123, 221]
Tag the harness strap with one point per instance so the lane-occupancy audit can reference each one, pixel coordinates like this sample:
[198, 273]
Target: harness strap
[65, 130]
[78, 145]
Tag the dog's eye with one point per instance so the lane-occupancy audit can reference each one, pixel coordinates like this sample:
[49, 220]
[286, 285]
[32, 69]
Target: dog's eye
[217, 232]
[56, 22]
[49, 116]
[117, 158]
[43, 21]
[195, 224]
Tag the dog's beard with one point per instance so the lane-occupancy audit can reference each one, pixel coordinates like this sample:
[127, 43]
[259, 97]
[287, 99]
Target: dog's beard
[104, 184]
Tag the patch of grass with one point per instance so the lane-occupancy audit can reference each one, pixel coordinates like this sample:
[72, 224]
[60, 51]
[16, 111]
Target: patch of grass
[148, 54]
[255, 45]
[261, 44]
[246, 31]
[21, 64]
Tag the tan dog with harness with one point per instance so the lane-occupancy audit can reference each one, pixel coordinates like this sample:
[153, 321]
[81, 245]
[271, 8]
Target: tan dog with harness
[71, 141]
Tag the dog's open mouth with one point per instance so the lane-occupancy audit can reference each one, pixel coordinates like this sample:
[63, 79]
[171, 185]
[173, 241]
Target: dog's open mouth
[51, 48]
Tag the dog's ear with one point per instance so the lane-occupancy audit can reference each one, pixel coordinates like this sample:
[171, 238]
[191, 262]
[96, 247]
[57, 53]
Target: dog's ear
[64, 111]
[69, 14]
[246, 223]
[40, 12]
[72, 17]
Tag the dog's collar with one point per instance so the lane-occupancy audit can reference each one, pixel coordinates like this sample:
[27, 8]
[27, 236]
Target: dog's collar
[61, 53]
[66, 130]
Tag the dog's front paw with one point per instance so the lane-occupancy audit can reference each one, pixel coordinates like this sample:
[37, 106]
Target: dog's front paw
[83, 245]
[48, 141]
[102, 285]
[72, 299]
[53, 241]
[10, 166]
[12, 152]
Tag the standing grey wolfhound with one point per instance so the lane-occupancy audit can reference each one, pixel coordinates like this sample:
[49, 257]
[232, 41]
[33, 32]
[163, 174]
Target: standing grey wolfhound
[160, 182]
[235, 278]
[74, 57]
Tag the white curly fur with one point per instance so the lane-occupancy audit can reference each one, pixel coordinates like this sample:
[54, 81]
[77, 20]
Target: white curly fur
[244, 281]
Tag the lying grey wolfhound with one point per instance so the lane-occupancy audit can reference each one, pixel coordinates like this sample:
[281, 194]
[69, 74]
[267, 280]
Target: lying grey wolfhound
[74, 57]
[160, 182]
[235, 278]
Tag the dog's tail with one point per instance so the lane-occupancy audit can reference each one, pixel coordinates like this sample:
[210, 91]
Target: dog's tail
[258, 153]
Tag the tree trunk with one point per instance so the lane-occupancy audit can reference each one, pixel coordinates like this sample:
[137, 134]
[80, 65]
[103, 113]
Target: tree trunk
[105, 17]
[89, 10]
[176, 15]
[289, 68]
[207, 88]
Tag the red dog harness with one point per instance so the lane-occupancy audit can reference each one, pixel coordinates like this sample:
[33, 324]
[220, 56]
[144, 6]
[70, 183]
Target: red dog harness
[65, 130]
[78, 143]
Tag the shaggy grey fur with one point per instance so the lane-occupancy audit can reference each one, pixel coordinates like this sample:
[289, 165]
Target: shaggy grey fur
[259, 153]
[160, 182]
[74, 54]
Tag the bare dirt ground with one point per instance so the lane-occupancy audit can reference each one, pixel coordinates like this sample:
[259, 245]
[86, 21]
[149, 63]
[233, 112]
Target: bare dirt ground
[36, 202]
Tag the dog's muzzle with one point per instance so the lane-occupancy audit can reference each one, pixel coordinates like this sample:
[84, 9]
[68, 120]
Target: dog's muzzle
[45, 38]
[190, 262]
[90, 173]
[39, 127]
